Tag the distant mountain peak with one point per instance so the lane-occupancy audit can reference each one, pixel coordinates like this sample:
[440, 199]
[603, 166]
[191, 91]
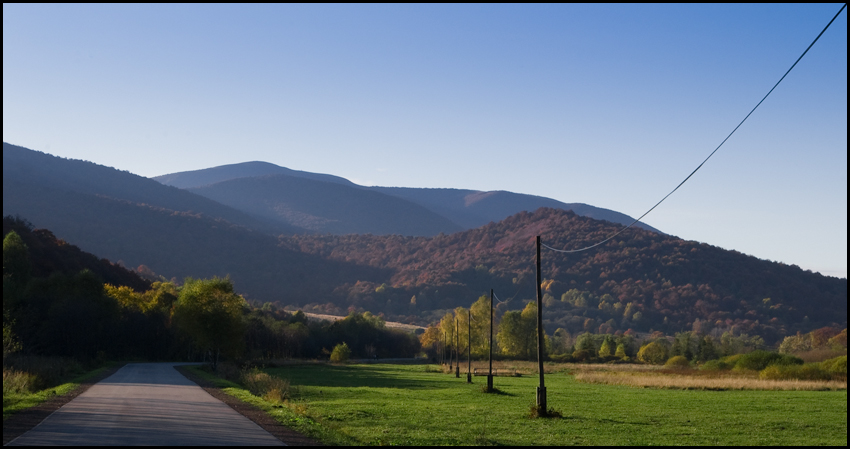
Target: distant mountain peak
[213, 175]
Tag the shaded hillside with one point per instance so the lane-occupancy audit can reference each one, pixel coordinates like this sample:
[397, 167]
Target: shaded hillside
[326, 206]
[314, 206]
[640, 280]
[180, 244]
[27, 167]
[207, 176]
[48, 254]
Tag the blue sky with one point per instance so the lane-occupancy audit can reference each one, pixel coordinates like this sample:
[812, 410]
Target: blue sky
[609, 105]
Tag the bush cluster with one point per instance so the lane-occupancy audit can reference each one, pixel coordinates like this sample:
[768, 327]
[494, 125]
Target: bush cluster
[759, 360]
[678, 361]
[832, 369]
[270, 388]
[341, 353]
[29, 373]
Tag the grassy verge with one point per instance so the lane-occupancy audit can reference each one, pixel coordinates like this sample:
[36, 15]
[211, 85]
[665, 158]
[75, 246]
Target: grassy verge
[14, 402]
[419, 405]
[287, 413]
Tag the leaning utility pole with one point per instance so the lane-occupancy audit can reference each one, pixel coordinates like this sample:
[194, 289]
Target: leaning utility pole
[541, 390]
[490, 374]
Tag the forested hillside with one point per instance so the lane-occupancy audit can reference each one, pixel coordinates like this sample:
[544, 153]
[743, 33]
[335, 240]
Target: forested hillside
[61, 301]
[639, 280]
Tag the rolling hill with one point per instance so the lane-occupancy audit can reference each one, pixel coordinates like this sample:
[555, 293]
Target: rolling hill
[25, 169]
[302, 199]
[325, 207]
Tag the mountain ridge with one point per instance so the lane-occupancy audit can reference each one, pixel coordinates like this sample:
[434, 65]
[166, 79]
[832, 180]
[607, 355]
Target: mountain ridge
[463, 209]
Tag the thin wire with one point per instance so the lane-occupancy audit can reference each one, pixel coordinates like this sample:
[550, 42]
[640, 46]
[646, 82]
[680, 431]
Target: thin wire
[712, 153]
[499, 300]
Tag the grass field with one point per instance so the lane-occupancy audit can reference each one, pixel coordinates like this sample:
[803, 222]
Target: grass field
[419, 405]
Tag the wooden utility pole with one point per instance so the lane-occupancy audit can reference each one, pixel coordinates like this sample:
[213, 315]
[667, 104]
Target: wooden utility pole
[469, 347]
[541, 390]
[457, 350]
[446, 338]
[490, 373]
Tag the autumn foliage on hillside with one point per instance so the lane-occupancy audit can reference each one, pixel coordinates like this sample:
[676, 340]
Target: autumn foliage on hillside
[639, 280]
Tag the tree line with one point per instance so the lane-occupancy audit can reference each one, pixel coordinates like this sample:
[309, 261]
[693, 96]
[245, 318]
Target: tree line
[56, 303]
[466, 331]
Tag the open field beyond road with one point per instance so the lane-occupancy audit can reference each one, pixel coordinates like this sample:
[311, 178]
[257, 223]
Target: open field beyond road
[419, 405]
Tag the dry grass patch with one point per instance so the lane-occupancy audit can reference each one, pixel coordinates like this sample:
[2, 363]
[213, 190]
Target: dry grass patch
[699, 381]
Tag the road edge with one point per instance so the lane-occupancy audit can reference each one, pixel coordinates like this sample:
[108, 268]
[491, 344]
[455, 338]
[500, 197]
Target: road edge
[261, 418]
[24, 420]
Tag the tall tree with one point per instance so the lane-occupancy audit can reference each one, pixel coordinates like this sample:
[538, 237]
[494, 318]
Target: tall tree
[480, 310]
[518, 332]
[210, 313]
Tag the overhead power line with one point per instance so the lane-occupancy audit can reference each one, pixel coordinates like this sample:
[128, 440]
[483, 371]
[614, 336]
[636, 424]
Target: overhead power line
[712, 153]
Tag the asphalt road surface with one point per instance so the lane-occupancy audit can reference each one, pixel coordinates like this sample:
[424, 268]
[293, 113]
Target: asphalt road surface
[146, 404]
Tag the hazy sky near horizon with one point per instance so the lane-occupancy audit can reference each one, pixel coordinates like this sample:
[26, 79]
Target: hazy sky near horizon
[609, 105]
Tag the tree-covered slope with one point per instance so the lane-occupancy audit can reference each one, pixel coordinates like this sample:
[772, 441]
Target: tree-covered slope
[640, 279]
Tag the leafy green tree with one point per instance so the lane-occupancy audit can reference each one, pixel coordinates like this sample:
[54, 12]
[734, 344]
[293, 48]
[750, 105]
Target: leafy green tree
[518, 332]
[16, 270]
[621, 352]
[481, 326]
[341, 353]
[210, 314]
[586, 342]
[739, 344]
[16, 263]
[608, 347]
[654, 353]
[682, 345]
[706, 349]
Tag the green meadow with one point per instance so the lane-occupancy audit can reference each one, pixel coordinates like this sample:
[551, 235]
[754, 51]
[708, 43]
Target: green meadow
[417, 405]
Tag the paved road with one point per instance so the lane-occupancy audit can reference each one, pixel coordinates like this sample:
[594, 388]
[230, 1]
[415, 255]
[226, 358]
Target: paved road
[146, 404]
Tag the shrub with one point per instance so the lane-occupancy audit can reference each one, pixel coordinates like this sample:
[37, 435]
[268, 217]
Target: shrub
[836, 367]
[678, 361]
[41, 372]
[561, 358]
[714, 365]
[581, 355]
[759, 360]
[17, 382]
[341, 353]
[726, 363]
[809, 371]
[270, 388]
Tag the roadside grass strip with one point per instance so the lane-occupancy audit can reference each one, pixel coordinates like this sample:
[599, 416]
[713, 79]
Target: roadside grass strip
[14, 402]
[286, 413]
